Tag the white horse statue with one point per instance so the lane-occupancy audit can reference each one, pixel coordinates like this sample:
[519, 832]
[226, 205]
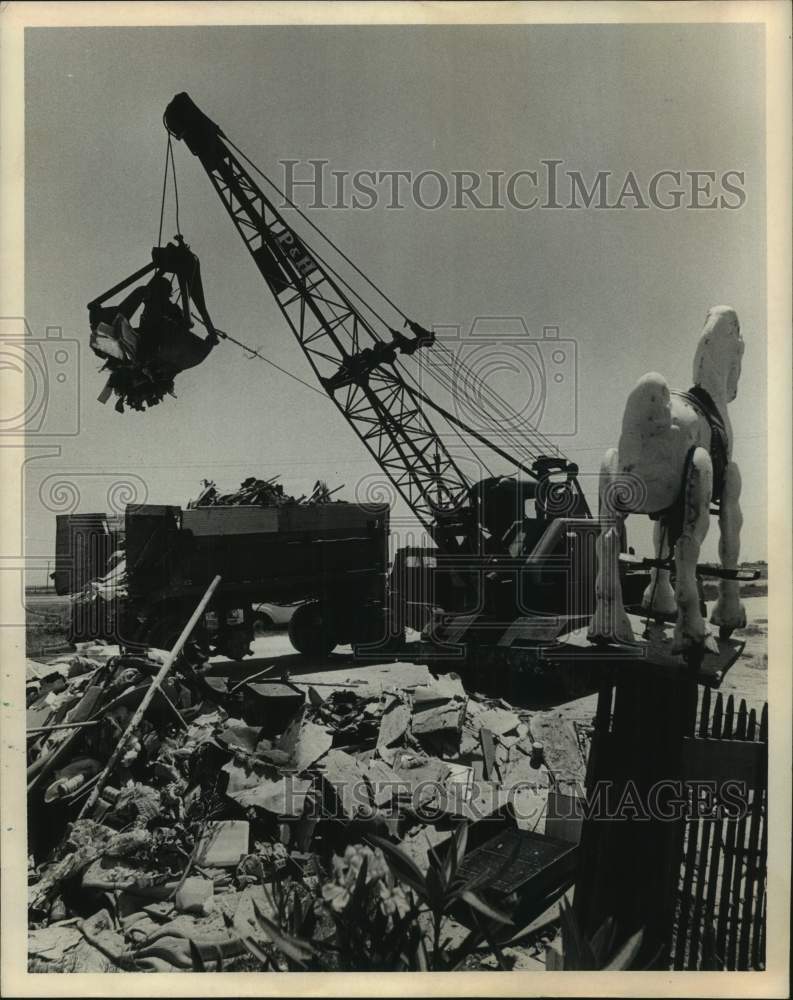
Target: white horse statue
[674, 459]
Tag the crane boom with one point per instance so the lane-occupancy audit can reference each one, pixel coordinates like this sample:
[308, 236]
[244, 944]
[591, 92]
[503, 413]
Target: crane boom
[350, 356]
[355, 357]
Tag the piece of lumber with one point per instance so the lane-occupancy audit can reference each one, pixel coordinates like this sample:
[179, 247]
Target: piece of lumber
[154, 687]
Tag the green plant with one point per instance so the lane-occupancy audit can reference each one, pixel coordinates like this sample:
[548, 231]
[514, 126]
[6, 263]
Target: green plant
[600, 952]
[377, 912]
[439, 894]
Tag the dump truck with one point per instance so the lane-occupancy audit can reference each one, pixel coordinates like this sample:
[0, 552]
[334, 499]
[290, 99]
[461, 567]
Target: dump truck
[330, 558]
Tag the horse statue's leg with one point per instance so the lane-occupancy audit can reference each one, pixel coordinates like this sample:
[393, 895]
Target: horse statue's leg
[659, 595]
[690, 631]
[729, 612]
[609, 622]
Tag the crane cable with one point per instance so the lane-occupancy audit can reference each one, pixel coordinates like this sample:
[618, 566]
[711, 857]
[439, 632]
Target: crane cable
[169, 158]
[340, 278]
[500, 406]
[316, 228]
[254, 353]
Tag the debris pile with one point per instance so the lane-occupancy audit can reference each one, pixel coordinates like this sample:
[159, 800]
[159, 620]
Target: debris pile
[226, 793]
[259, 493]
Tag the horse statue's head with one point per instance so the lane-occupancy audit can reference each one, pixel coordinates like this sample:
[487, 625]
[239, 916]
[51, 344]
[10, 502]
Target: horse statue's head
[717, 362]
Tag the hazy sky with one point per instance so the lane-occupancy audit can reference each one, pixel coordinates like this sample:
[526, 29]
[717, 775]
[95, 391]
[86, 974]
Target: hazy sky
[630, 287]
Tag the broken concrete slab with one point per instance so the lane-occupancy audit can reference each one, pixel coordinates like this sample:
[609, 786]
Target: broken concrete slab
[530, 807]
[521, 770]
[460, 782]
[383, 781]
[394, 722]
[347, 777]
[237, 734]
[422, 779]
[257, 784]
[304, 742]
[560, 744]
[193, 894]
[420, 841]
[441, 689]
[223, 844]
[438, 713]
[485, 800]
[52, 943]
[437, 720]
[371, 681]
[499, 720]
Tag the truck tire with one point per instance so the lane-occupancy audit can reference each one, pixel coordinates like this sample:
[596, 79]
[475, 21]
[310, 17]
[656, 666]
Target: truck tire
[311, 630]
[162, 634]
[236, 645]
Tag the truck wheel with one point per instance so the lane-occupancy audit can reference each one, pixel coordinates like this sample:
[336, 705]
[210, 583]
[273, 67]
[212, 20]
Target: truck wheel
[236, 645]
[311, 630]
[163, 634]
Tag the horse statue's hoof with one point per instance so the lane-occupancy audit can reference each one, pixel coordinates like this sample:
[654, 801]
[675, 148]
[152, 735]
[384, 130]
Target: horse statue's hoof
[600, 640]
[687, 646]
[728, 614]
[725, 631]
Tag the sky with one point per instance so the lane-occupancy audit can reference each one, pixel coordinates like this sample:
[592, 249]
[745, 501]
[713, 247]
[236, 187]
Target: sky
[630, 288]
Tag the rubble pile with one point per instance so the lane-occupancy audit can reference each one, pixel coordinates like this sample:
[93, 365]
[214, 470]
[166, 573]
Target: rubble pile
[225, 790]
[259, 493]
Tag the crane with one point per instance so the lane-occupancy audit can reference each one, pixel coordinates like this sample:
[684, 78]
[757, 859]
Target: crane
[509, 550]
[356, 357]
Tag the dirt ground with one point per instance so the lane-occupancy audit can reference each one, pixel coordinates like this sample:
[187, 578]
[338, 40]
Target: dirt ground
[747, 679]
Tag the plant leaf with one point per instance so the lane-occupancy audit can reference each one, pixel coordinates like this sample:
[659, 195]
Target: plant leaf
[359, 892]
[602, 942]
[403, 867]
[195, 954]
[422, 964]
[477, 903]
[458, 955]
[554, 961]
[257, 952]
[455, 853]
[577, 953]
[436, 865]
[493, 945]
[435, 890]
[627, 953]
[299, 951]
[399, 938]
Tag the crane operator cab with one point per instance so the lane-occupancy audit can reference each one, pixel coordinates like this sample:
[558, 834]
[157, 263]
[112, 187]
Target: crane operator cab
[143, 360]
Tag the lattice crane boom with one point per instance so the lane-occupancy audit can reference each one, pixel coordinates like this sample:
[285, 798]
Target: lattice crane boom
[355, 357]
[351, 356]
